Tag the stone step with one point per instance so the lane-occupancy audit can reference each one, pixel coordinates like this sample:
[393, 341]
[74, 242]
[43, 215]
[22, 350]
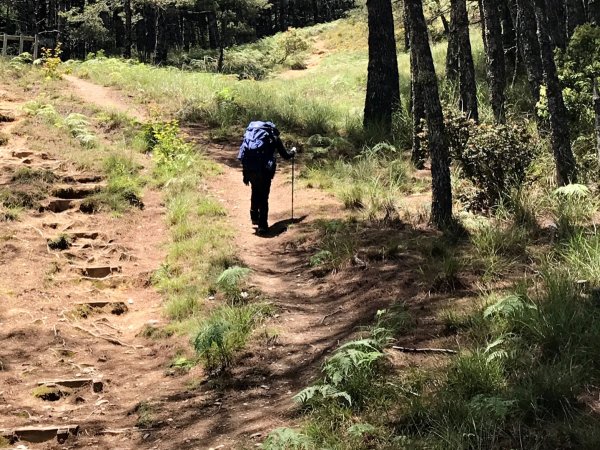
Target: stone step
[116, 308]
[75, 383]
[58, 205]
[41, 434]
[77, 191]
[99, 271]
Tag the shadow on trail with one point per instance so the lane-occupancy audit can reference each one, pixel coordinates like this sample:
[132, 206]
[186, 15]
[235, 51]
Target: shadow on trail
[278, 228]
[390, 264]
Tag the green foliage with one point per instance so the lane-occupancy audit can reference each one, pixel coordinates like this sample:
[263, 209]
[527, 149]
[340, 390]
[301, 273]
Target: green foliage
[495, 158]
[286, 439]
[572, 208]
[230, 282]
[348, 374]
[225, 332]
[290, 44]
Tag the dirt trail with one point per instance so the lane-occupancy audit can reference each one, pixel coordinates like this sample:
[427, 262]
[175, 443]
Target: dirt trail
[318, 52]
[313, 316]
[53, 327]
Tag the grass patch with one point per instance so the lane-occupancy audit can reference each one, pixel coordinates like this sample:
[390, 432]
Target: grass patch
[225, 332]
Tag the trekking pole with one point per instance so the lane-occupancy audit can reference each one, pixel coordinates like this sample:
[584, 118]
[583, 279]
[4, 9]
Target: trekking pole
[293, 172]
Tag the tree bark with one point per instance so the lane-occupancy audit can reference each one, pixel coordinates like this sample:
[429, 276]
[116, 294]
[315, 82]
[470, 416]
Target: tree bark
[529, 46]
[557, 24]
[597, 114]
[417, 103]
[214, 39]
[496, 67]
[575, 15]
[127, 41]
[453, 51]
[466, 67]
[566, 169]
[509, 38]
[383, 82]
[441, 206]
[593, 11]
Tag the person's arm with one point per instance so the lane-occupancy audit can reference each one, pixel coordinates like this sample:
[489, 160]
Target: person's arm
[282, 150]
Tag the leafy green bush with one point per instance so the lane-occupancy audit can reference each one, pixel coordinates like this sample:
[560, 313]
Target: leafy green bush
[495, 158]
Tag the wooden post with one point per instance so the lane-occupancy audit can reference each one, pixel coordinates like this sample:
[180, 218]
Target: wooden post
[4, 44]
[21, 41]
[36, 44]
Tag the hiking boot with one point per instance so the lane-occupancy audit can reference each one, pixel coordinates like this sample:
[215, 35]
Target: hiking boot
[254, 217]
[262, 230]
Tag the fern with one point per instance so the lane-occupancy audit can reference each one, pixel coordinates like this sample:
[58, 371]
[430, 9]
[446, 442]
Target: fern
[507, 306]
[230, 282]
[321, 392]
[286, 439]
[573, 190]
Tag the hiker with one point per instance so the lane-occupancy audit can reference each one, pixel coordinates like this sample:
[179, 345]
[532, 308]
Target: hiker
[259, 161]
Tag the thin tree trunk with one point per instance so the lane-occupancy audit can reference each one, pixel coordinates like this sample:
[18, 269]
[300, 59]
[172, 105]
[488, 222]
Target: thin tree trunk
[213, 31]
[441, 206]
[127, 42]
[482, 24]
[509, 38]
[496, 67]
[593, 11]
[417, 106]
[466, 67]
[557, 24]
[566, 169]
[575, 15]
[452, 52]
[597, 114]
[383, 82]
[529, 45]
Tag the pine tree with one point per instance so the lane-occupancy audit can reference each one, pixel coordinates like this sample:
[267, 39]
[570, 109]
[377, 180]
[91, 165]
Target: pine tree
[441, 206]
[383, 82]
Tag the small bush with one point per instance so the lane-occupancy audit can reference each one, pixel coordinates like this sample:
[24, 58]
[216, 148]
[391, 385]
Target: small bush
[230, 282]
[3, 139]
[495, 158]
[224, 333]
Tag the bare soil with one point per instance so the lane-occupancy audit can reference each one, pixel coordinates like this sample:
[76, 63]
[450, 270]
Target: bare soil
[45, 336]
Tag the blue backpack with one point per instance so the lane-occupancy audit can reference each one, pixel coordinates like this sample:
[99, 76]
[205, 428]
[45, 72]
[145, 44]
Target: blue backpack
[257, 151]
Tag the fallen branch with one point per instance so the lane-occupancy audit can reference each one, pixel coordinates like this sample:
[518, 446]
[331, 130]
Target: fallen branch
[425, 350]
[337, 311]
[106, 338]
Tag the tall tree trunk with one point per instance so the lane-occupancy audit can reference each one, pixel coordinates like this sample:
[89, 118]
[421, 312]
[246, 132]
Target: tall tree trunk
[496, 67]
[383, 83]
[566, 169]
[593, 11]
[466, 67]
[441, 206]
[557, 23]
[417, 103]
[482, 24]
[575, 15]
[406, 31]
[283, 15]
[161, 47]
[452, 52]
[127, 41]
[597, 114]
[529, 46]
[213, 31]
[509, 38]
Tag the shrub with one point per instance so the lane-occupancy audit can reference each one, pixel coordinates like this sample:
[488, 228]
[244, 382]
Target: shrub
[495, 158]
[230, 282]
[225, 332]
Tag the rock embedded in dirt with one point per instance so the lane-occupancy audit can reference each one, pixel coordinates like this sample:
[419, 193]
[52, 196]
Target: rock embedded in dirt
[97, 385]
[99, 271]
[21, 154]
[57, 205]
[41, 434]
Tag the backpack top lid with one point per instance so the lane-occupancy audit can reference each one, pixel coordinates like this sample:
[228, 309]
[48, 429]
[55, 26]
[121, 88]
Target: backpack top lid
[263, 125]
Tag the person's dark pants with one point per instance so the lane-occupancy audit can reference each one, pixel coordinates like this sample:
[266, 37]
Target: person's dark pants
[259, 202]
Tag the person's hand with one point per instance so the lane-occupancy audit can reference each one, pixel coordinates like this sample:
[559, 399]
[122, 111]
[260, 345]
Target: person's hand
[246, 181]
[293, 152]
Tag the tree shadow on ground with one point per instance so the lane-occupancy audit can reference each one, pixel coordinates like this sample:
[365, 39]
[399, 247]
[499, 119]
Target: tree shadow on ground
[390, 264]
